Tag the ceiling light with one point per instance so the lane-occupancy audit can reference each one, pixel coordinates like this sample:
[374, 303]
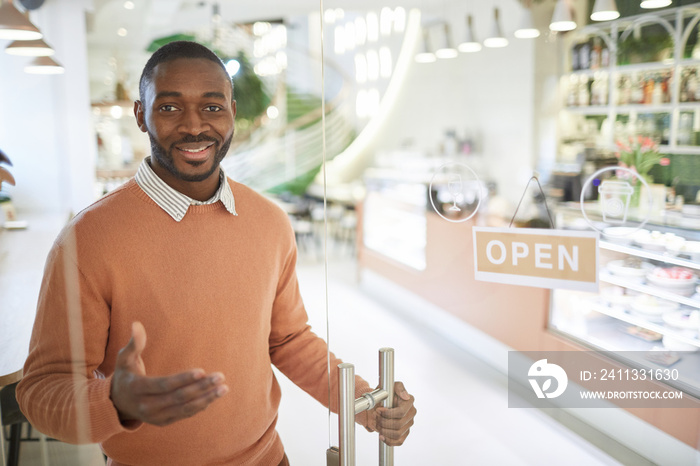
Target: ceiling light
[122, 32]
[44, 65]
[470, 43]
[30, 48]
[604, 10]
[425, 55]
[14, 25]
[527, 29]
[129, 5]
[563, 17]
[446, 50]
[649, 4]
[496, 39]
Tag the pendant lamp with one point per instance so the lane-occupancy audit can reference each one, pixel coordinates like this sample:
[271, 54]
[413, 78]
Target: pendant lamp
[425, 55]
[470, 43]
[30, 48]
[649, 4]
[563, 17]
[14, 25]
[604, 10]
[44, 65]
[496, 39]
[527, 29]
[446, 50]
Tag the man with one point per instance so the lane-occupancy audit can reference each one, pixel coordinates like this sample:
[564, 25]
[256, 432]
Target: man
[203, 265]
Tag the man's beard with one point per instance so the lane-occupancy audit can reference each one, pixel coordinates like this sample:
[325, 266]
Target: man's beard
[165, 157]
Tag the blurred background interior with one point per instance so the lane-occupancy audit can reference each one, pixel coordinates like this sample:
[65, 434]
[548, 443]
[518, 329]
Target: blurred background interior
[437, 115]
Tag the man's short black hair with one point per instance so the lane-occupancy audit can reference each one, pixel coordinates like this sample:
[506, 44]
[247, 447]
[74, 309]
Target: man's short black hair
[175, 50]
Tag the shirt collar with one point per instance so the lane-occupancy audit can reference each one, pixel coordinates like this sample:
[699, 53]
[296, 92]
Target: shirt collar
[173, 202]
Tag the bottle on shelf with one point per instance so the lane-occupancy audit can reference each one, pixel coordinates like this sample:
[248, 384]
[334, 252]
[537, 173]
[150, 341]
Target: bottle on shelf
[624, 91]
[666, 87]
[584, 93]
[637, 90]
[691, 86]
[575, 62]
[657, 94]
[685, 129]
[584, 56]
[648, 89]
[605, 57]
[596, 51]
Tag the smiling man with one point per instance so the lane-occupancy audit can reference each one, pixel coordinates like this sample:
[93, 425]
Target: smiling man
[203, 265]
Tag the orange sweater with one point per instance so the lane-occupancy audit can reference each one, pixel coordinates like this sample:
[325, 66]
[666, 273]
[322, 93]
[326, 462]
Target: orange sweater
[214, 291]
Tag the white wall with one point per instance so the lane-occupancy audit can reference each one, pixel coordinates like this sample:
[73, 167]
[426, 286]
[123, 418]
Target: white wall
[45, 119]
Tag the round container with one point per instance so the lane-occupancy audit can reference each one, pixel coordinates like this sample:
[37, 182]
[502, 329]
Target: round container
[684, 319]
[651, 305]
[620, 235]
[619, 269]
[683, 287]
[690, 249]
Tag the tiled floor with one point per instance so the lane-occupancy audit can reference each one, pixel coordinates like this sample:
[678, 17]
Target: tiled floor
[463, 418]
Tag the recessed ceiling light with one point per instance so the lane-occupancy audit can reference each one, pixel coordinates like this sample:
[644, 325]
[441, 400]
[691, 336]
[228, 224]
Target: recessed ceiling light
[122, 32]
[129, 5]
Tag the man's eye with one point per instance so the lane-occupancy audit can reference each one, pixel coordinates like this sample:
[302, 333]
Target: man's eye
[212, 108]
[167, 108]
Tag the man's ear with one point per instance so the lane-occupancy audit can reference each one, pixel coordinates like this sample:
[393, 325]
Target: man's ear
[139, 113]
[233, 108]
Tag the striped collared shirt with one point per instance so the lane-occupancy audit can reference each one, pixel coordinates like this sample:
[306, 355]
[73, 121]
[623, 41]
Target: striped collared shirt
[175, 203]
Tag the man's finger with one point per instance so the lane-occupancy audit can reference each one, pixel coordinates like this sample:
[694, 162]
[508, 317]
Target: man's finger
[392, 442]
[188, 393]
[170, 383]
[397, 412]
[182, 411]
[400, 391]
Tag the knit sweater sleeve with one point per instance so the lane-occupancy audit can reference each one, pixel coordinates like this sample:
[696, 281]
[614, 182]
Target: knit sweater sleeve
[299, 353]
[62, 393]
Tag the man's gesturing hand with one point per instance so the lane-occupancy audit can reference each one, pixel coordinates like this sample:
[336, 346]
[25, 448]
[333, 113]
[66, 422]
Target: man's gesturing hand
[394, 424]
[159, 400]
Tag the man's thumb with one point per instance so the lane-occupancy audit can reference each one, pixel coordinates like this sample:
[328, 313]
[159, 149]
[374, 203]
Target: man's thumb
[137, 343]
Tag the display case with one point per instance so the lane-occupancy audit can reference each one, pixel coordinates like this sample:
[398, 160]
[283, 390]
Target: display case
[394, 223]
[648, 299]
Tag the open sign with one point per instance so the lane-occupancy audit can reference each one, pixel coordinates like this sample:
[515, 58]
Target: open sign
[534, 257]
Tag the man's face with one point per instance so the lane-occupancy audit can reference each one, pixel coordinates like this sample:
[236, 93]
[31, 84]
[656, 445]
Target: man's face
[188, 114]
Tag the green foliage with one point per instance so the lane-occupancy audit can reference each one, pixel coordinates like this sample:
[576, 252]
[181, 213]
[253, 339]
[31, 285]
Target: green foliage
[251, 98]
[158, 43]
[298, 185]
[648, 49]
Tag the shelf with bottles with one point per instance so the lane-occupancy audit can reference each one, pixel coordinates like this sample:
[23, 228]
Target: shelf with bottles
[587, 90]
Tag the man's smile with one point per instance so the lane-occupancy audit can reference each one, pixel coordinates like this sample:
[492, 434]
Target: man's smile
[196, 151]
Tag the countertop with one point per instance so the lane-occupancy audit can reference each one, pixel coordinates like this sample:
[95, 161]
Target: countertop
[22, 257]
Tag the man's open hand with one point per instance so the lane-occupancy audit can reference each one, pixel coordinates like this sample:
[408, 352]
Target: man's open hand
[394, 424]
[159, 400]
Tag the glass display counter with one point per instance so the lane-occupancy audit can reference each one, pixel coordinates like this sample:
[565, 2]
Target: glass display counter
[648, 301]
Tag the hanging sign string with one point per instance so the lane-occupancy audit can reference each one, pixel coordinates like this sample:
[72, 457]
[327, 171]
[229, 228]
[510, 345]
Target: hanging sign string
[534, 177]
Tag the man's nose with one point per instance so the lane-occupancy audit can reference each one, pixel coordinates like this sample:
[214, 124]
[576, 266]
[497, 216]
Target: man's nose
[192, 122]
